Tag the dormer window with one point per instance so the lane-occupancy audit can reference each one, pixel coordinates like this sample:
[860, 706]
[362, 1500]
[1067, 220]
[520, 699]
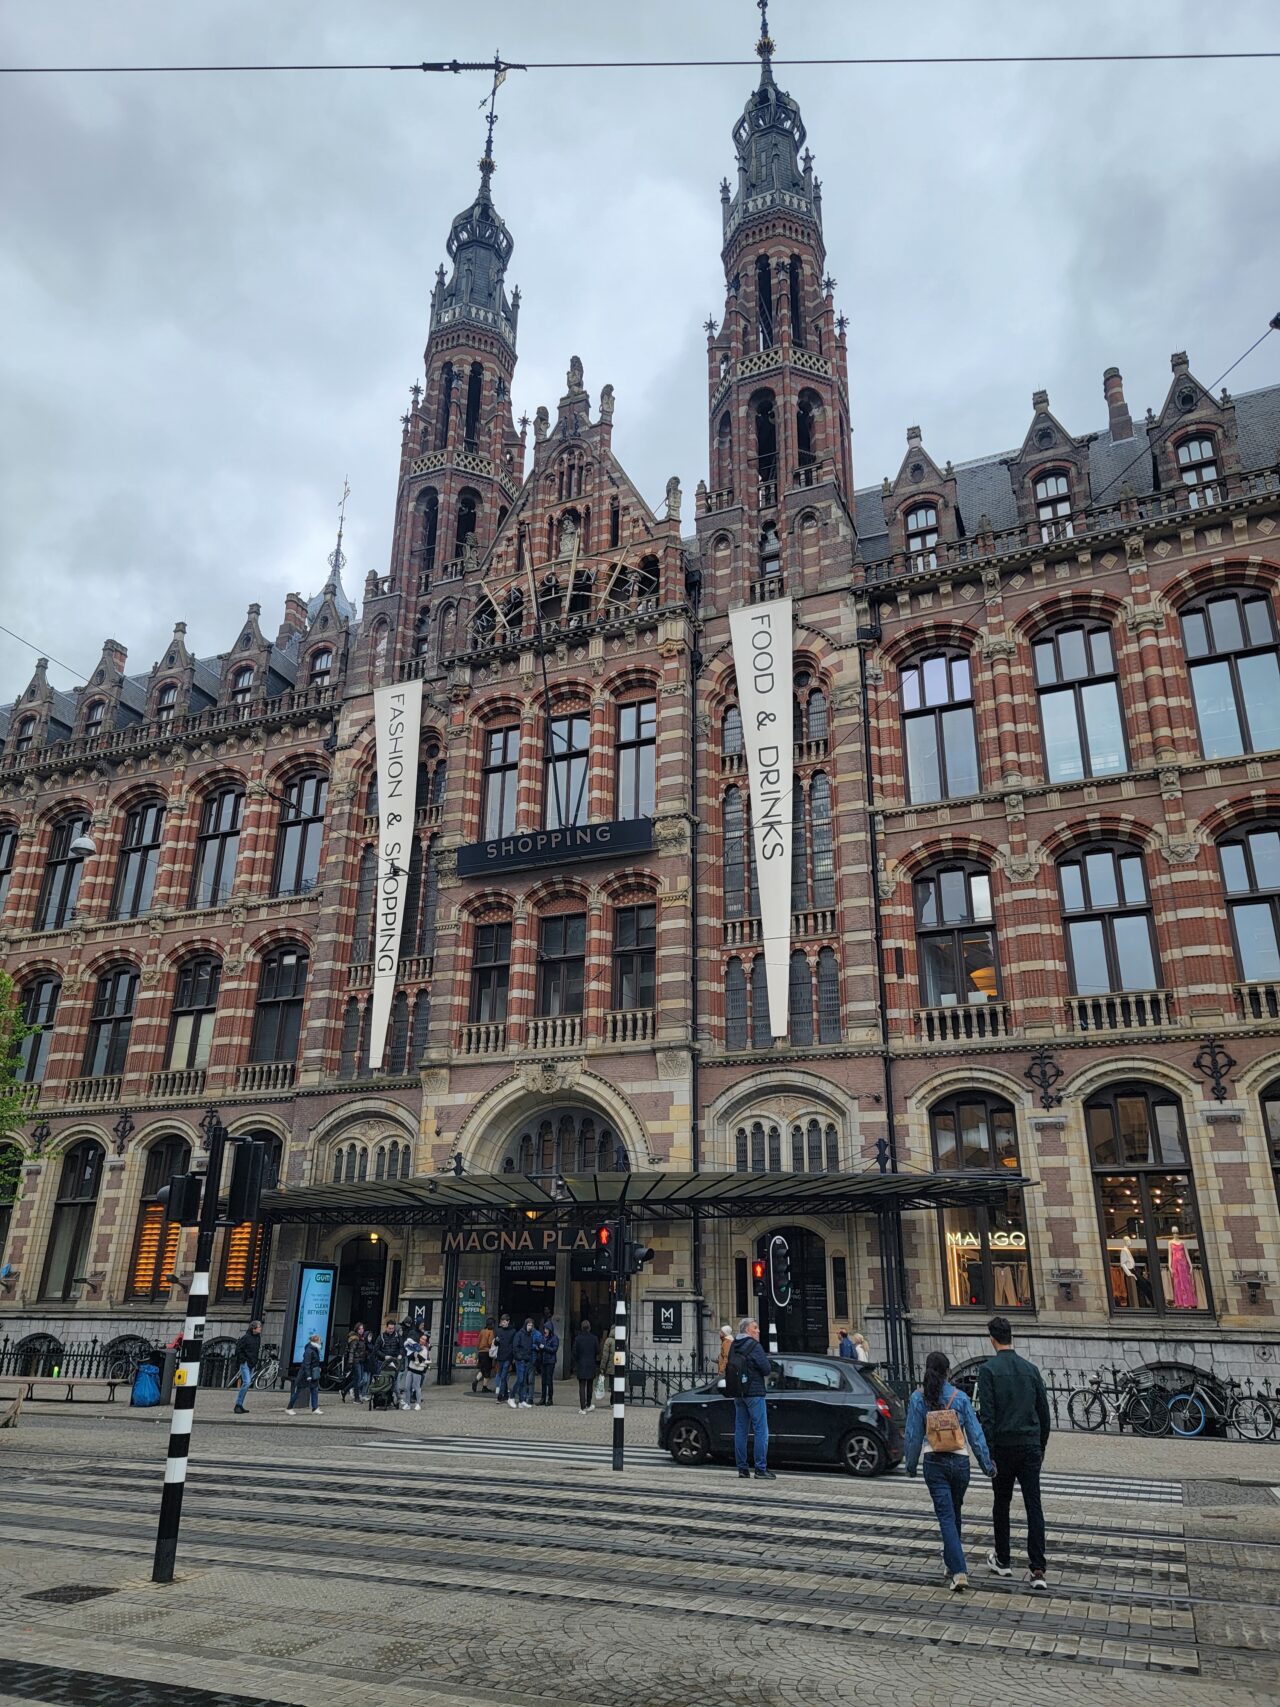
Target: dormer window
[1053, 506]
[321, 669]
[25, 736]
[1198, 470]
[93, 716]
[922, 536]
[242, 686]
[167, 702]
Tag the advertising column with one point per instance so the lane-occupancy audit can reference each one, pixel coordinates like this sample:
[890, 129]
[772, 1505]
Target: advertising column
[761, 636]
[397, 719]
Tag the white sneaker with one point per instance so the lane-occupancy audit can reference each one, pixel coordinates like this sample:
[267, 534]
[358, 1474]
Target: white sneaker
[525, 1405]
[317, 1413]
[417, 1407]
[289, 1413]
[995, 1567]
[514, 1406]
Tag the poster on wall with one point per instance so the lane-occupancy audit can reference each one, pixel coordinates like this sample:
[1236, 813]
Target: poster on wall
[761, 637]
[310, 1311]
[472, 1313]
[397, 722]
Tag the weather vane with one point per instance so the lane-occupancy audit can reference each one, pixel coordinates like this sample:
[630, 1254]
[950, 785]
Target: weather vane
[487, 165]
[337, 559]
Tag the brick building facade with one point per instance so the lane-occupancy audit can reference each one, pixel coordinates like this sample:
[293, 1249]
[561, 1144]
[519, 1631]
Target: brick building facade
[1035, 877]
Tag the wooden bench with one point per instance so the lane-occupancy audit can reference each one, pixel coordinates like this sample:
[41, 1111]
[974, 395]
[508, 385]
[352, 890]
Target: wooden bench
[68, 1388]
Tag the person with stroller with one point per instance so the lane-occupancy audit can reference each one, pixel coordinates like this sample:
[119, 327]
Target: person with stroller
[308, 1376]
[504, 1355]
[943, 1425]
[547, 1359]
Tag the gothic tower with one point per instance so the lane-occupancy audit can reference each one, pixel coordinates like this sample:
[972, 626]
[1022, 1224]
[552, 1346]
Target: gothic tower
[776, 368]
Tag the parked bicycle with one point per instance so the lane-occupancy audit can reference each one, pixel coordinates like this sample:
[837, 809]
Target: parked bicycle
[267, 1373]
[1191, 1411]
[1142, 1407]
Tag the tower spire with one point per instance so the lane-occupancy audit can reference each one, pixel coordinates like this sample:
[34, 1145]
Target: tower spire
[488, 166]
[765, 46]
[337, 557]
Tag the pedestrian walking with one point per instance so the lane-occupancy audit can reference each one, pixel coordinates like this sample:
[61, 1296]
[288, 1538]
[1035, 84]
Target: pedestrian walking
[726, 1346]
[942, 1424]
[522, 1354]
[1014, 1409]
[504, 1342]
[417, 1361]
[547, 1361]
[484, 1358]
[308, 1376]
[604, 1375]
[584, 1355]
[746, 1375]
[861, 1350]
[248, 1350]
[359, 1348]
[845, 1346]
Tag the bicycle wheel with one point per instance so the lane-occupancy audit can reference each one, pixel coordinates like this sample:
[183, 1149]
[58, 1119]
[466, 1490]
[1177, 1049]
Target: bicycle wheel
[1087, 1409]
[1148, 1415]
[1253, 1419]
[1187, 1415]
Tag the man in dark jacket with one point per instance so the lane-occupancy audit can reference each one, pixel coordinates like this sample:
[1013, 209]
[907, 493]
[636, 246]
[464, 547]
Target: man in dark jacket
[746, 1375]
[503, 1342]
[248, 1348]
[1014, 1409]
[522, 1349]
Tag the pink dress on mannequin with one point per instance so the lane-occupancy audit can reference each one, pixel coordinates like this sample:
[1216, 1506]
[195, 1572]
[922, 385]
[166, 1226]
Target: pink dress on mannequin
[1184, 1285]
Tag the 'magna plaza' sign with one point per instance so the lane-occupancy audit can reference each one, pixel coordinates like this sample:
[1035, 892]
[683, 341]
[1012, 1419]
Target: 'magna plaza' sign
[542, 1241]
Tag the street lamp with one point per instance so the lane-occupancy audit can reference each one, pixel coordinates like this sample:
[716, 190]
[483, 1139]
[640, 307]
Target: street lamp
[40, 1136]
[84, 847]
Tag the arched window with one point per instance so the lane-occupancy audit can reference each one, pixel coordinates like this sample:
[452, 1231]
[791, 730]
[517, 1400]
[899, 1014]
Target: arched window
[427, 509]
[195, 1006]
[24, 735]
[320, 668]
[800, 1001]
[615, 522]
[381, 641]
[735, 854]
[796, 283]
[985, 1265]
[562, 952]
[733, 746]
[421, 1028]
[68, 1250]
[635, 932]
[8, 848]
[822, 840]
[432, 771]
[351, 1061]
[277, 1017]
[939, 729]
[468, 515]
[1198, 470]
[799, 847]
[167, 702]
[112, 1022]
[724, 453]
[395, 1060]
[1146, 1201]
[217, 845]
[766, 429]
[828, 997]
[156, 1241]
[761, 1024]
[1251, 877]
[446, 406]
[735, 1005]
[1079, 702]
[139, 860]
[808, 414]
[95, 712]
[1230, 642]
[391, 1160]
[242, 1245]
[39, 1010]
[1107, 912]
[301, 830]
[816, 727]
[350, 1163]
[764, 304]
[1053, 506]
[956, 936]
[362, 936]
[471, 427]
[242, 685]
[63, 868]
[921, 525]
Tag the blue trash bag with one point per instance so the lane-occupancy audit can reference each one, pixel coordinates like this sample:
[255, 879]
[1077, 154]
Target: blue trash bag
[146, 1386]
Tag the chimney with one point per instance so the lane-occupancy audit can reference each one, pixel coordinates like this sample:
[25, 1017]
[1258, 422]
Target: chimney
[295, 618]
[115, 654]
[1121, 422]
[1179, 363]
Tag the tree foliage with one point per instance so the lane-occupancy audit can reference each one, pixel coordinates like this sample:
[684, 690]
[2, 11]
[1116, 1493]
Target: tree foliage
[14, 1106]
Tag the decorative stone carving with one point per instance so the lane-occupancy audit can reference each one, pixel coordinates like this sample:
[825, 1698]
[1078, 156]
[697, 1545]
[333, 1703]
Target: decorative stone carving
[671, 835]
[886, 883]
[1014, 808]
[674, 498]
[999, 644]
[1022, 868]
[1138, 617]
[435, 1081]
[1182, 851]
[1135, 547]
[1171, 784]
[547, 1078]
[447, 867]
[671, 1064]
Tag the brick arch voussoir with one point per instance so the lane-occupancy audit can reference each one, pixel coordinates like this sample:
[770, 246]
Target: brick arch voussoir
[276, 936]
[1191, 584]
[934, 633]
[948, 845]
[1098, 826]
[486, 901]
[557, 888]
[1080, 604]
[1245, 809]
[633, 881]
[138, 793]
[632, 679]
[57, 811]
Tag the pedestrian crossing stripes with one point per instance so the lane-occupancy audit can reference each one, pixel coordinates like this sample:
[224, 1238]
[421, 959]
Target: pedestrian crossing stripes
[587, 1453]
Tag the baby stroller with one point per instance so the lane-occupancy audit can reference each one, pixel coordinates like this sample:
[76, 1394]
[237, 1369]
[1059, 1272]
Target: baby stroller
[382, 1389]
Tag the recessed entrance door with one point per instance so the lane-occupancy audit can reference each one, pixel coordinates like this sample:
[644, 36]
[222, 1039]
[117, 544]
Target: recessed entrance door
[362, 1280]
[804, 1325]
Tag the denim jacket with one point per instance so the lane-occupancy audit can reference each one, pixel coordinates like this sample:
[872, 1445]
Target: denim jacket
[959, 1403]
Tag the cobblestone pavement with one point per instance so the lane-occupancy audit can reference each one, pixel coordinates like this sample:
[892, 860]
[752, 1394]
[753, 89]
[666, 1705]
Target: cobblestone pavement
[384, 1568]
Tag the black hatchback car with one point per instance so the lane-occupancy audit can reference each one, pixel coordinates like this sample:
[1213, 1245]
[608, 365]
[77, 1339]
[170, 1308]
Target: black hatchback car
[822, 1410]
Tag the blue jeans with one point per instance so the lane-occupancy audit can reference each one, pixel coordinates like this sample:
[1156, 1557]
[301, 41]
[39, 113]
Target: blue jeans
[946, 1475]
[751, 1413]
[246, 1381]
[359, 1380]
[313, 1386]
[500, 1373]
[524, 1383]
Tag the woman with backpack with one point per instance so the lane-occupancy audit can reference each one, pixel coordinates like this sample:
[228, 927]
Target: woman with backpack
[943, 1425]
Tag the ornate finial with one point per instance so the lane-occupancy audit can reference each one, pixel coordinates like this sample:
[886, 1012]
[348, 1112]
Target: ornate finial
[764, 47]
[523, 424]
[488, 166]
[828, 284]
[405, 419]
[709, 327]
[415, 391]
[842, 324]
[337, 557]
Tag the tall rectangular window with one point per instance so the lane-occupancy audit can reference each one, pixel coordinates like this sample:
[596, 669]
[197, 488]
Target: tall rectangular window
[217, 847]
[490, 971]
[637, 736]
[301, 833]
[139, 859]
[565, 794]
[562, 960]
[634, 939]
[501, 778]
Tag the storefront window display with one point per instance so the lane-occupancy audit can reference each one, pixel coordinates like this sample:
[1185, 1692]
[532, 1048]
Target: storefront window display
[985, 1261]
[1146, 1202]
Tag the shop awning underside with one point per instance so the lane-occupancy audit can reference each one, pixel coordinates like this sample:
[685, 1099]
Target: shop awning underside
[440, 1199]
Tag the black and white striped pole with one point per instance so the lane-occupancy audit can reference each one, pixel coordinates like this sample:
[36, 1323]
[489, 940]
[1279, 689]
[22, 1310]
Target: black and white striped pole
[622, 1275]
[187, 1375]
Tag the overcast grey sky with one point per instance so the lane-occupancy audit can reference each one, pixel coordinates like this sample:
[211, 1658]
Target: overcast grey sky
[214, 289]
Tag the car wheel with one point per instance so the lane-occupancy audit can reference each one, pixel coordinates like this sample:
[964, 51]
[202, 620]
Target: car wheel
[688, 1442]
[862, 1454]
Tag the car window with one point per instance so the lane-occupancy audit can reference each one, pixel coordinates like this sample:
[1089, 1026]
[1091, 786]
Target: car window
[775, 1382]
[869, 1378]
[805, 1377]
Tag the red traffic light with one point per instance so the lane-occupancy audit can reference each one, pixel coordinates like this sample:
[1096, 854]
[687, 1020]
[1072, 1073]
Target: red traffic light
[603, 1236]
[757, 1269]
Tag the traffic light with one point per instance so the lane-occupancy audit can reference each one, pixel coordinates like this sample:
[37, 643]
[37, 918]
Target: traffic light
[637, 1257]
[757, 1276]
[181, 1199]
[601, 1263]
[247, 1169]
[780, 1271]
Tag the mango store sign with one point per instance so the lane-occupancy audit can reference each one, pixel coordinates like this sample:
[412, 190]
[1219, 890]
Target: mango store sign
[532, 1241]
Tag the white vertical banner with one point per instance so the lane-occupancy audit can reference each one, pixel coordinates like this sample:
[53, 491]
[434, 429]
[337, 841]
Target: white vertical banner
[397, 722]
[761, 636]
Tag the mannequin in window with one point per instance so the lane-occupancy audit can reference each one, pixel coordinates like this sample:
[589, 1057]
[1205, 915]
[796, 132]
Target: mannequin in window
[1184, 1283]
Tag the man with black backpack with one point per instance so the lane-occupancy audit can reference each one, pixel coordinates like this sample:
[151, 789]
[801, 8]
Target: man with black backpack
[745, 1375]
